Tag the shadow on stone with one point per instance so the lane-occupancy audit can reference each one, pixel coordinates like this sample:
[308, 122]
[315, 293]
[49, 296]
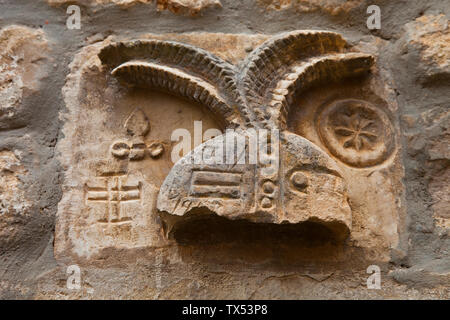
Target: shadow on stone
[208, 238]
[212, 229]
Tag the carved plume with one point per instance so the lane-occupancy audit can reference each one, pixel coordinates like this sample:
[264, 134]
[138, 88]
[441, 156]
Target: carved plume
[281, 67]
[145, 74]
[259, 93]
[184, 70]
[329, 68]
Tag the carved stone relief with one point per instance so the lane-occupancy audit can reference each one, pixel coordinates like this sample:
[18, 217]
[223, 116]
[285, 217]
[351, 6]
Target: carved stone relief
[329, 146]
[307, 186]
[137, 127]
[356, 132]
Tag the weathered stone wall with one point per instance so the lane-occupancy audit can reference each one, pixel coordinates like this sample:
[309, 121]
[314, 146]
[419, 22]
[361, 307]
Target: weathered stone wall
[66, 123]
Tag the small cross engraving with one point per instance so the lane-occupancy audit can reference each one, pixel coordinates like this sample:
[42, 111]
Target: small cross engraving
[113, 194]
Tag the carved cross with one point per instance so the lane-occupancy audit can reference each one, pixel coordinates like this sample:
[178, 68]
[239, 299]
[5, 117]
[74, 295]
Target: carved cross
[113, 194]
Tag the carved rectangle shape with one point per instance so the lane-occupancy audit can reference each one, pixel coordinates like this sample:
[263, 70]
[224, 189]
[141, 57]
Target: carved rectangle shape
[215, 184]
[216, 178]
[216, 191]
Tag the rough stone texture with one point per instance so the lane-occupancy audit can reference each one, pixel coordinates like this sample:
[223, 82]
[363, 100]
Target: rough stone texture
[13, 204]
[437, 152]
[191, 7]
[183, 7]
[21, 55]
[439, 189]
[430, 34]
[82, 124]
[333, 7]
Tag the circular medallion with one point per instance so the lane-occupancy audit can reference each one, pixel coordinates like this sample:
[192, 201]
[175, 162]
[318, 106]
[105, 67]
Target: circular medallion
[356, 132]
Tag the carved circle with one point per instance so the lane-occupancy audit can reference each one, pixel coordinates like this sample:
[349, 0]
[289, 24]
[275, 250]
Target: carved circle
[120, 149]
[137, 151]
[266, 203]
[356, 132]
[156, 149]
[299, 181]
[268, 187]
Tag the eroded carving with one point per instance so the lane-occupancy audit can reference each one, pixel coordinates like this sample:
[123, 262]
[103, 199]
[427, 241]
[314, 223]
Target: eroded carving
[137, 124]
[258, 93]
[234, 191]
[156, 149]
[215, 184]
[180, 69]
[356, 132]
[299, 181]
[137, 127]
[271, 75]
[308, 185]
[112, 192]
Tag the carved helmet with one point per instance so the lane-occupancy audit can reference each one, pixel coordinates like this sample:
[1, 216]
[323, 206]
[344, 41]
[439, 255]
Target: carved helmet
[307, 184]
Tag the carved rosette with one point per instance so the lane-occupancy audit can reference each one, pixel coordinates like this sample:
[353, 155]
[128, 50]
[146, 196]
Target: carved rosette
[356, 132]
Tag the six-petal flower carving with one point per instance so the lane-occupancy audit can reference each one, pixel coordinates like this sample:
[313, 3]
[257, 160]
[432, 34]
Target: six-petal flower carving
[357, 131]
